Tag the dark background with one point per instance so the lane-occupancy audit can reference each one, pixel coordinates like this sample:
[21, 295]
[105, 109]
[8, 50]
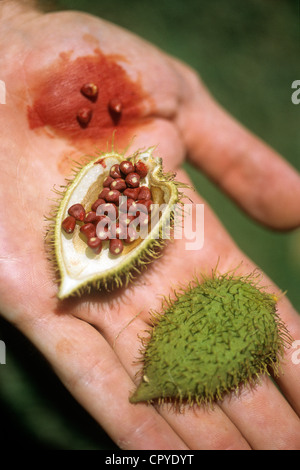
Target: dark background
[248, 55]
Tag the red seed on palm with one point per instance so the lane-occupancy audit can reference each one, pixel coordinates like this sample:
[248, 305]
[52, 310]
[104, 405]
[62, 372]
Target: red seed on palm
[141, 169]
[97, 203]
[89, 230]
[90, 91]
[115, 171]
[96, 244]
[84, 115]
[115, 105]
[69, 224]
[77, 211]
[126, 167]
[131, 193]
[118, 184]
[116, 246]
[115, 108]
[144, 193]
[132, 180]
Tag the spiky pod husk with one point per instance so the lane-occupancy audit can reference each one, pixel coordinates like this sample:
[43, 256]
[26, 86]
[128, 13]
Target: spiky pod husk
[131, 263]
[217, 335]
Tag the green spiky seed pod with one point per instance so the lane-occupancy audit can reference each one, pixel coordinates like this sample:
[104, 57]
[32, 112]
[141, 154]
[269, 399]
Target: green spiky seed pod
[215, 336]
[79, 266]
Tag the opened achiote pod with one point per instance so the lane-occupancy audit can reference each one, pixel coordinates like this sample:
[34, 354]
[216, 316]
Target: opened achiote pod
[110, 220]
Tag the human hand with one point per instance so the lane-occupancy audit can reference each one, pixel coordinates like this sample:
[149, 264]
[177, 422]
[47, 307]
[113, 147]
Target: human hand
[84, 339]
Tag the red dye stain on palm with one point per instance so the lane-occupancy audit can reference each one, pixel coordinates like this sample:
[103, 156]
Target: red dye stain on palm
[58, 99]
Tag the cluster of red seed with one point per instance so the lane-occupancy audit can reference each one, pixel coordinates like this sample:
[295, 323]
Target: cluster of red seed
[85, 114]
[121, 200]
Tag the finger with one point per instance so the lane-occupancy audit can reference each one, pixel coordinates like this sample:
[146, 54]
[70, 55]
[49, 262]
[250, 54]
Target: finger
[204, 428]
[264, 417]
[248, 170]
[288, 379]
[90, 370]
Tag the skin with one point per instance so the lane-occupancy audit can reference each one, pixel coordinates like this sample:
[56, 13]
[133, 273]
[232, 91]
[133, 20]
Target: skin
[89, 342]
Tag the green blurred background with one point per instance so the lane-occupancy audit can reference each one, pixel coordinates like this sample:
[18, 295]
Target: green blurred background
[248, 55]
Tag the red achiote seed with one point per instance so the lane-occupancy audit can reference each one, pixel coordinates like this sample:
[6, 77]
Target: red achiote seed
[126, 219]
[108, 209]
[143, 222]
[132, 234]
[77, 211]
[141, 169]
[144, 219]
[115, 246]
[93, 218]
[69, 224]
[89, 230]
[90, 217]
[115, 105]
[137, 208]
[99, 218]
[132, 180]
[107, 182]
[115, 110]
[118, 184]
[120, 231]
[131, 193]
[103, 230]
[144, 193]
[126, 167]
[125, 203]
[132, 208]
[90, 91]
[97, 203]
[84, 115]
[103, 193]
[130, 239]
[144, 205]
[96, 244]
[115, 171]
[113, 196]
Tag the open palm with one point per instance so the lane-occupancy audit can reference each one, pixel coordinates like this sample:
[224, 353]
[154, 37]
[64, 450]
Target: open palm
[91, 342]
